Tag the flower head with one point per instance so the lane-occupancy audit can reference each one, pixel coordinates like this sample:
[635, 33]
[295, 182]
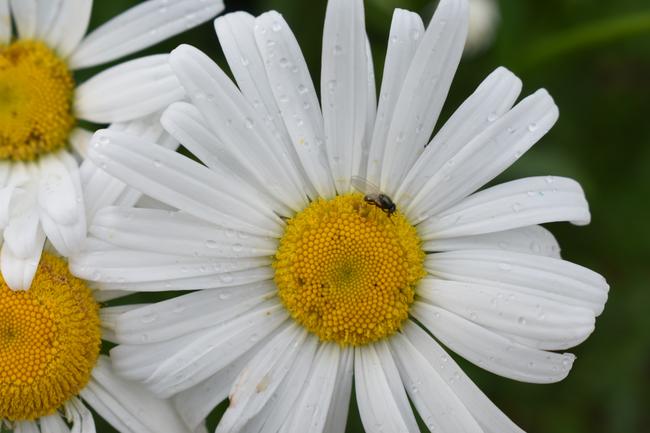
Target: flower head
[40, 104]
[51, 369]
[303, 281]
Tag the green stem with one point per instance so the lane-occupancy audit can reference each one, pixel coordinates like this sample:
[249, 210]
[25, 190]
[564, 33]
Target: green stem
[586, 36]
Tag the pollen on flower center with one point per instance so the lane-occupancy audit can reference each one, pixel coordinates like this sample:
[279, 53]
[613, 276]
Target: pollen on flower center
[35, 101]
[346, 271]
[49, 341]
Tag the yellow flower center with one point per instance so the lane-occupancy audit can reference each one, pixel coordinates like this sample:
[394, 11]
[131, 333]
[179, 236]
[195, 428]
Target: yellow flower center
[346, 271]
[49, 342]
[35, 101]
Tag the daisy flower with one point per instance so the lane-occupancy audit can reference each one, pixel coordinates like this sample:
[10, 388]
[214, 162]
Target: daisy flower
[302, 283]
[40, 105]
[484, 17]
[51, 369]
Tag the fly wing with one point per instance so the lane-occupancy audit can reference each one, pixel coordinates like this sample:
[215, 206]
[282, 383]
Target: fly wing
[364, 186]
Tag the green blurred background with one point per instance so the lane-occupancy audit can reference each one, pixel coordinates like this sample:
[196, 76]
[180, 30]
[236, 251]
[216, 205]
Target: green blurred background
[594, 58]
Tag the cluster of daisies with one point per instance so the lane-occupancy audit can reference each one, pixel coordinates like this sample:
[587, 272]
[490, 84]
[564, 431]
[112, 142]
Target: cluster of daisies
[320, 243]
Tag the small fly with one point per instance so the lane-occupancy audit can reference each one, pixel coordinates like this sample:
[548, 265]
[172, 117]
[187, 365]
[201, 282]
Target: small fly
[373, 195]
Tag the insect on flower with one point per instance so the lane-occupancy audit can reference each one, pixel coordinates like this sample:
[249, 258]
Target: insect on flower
[373, 195]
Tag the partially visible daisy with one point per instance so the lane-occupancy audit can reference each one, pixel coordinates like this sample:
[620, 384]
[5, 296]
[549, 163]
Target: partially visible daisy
[51, 370]
[302, 283]
[40, 103]
[484, 17]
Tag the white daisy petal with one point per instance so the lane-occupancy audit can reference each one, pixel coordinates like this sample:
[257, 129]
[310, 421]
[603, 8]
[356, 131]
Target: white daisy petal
[486, 155]
[189, 313]
[510, 312]
[102, 189]
[380, 409]
[175, 233]
[19, 174]
[406, 32]
[25, 14]
[46, 13]
[108, 317]
[186, 124]
[211, 280]
[211, 351]
[66, 239]
[5, 22]
[282, 404]
[491, 351]
[294, 93]
[519, 203]
[61, 203]
[311, 409]
[529, 240]
[436, 403]
[108, 295]
[258, 381]
[344, 88]
[237, 39]
[543, 276]
[5, 171]
[53, 424]
[180, 182]
[546, 344]
[57, 194]
[6, 194]
[67, 26]
[140, 27]
[24, 234]
[424, 91]
[493, 98]
[80, 140]
[196, 403]
[139, 362]
[129, 406]
[395, 384]
[129, 90]
[338, 413]
[233, 119]
[82, 419]
[27, 427]
[414, 340]
[132, 266]
[371, 111]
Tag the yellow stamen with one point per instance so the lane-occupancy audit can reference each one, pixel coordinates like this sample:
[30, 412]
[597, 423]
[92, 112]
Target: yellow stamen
[49, 342]
[35, 101]
[346, 271]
